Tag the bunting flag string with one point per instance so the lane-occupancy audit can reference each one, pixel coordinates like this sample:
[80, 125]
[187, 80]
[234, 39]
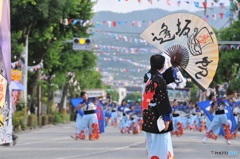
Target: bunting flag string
[139, 23]
[128, 76]
[102, 52]
[121, 37]
[135, 83]
[114, 58]
[45, 77]
[170, 2]
[229, 47]
[36, 67]
[119, 69]
[19, 64]
[125, 49]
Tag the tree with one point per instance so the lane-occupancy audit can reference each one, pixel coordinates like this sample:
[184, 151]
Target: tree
[41, 22]
[229, 59]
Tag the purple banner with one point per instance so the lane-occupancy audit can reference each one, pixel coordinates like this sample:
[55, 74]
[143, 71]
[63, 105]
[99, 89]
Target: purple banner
[5, 37]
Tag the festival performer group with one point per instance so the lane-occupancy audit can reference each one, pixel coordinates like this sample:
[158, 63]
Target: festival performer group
[184, 116]
[128, 116]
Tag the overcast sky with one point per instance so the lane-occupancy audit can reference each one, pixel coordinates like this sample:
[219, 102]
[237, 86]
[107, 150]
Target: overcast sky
[124, 6]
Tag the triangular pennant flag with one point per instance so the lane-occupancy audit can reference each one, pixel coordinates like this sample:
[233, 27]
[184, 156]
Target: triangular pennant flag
[75, 21]
[187, 2]
[133, 23]
[81, 22]
[120, 37]
[125, 38]
[221, 15]
[86, 23]
[204, 5]
[227, 14]
[116, 36]
[70, 21]
[114, 23]
[221, 5]
[150, 22]
[98, 24]
[214, 16]
[232, 6]
[196, 4]
[178, 3]
[120, 22]
[139, 1]
[169, 2]
[150, 1]
[206, 18]
[139, 23]
[109, 24]
[92, 22]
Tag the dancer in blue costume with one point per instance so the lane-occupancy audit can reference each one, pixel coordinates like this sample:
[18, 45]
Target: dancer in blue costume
[217, 107]
[176, 119]
[89, 121]
[132, 120]
[123, 119]
[114, 114]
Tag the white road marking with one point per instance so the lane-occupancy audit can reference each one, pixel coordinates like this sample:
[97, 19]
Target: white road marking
[99, 152]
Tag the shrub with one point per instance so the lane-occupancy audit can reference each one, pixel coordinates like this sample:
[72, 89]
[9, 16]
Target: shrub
[19, 120]
[66, 117]
[58, 118]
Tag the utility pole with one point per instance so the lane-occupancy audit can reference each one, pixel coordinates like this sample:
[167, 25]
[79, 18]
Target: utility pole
[205, 9]
[231, 14]
[25, 70]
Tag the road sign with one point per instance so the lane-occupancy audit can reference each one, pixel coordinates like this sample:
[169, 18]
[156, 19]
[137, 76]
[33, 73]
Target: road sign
[87, 47]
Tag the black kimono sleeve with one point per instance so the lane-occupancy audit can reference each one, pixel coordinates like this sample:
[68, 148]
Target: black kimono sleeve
[168, 75]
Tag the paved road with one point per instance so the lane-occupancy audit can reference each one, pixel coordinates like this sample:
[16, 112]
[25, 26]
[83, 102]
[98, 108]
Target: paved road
[54, 142]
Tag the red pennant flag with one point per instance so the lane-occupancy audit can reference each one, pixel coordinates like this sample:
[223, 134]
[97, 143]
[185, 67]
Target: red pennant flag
[114, 23]
[133, 23]
[221, 15]
[150, 1]
[204, 5]
[139, 1]
[70, 21]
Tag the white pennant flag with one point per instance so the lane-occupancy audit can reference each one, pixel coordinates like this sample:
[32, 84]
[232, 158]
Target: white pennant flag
[139, 23]
[109, 24]
[214, 16]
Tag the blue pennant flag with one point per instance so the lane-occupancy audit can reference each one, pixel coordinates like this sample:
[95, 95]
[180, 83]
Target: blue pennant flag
[75, 102]
[196, 4]
[205, 106]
